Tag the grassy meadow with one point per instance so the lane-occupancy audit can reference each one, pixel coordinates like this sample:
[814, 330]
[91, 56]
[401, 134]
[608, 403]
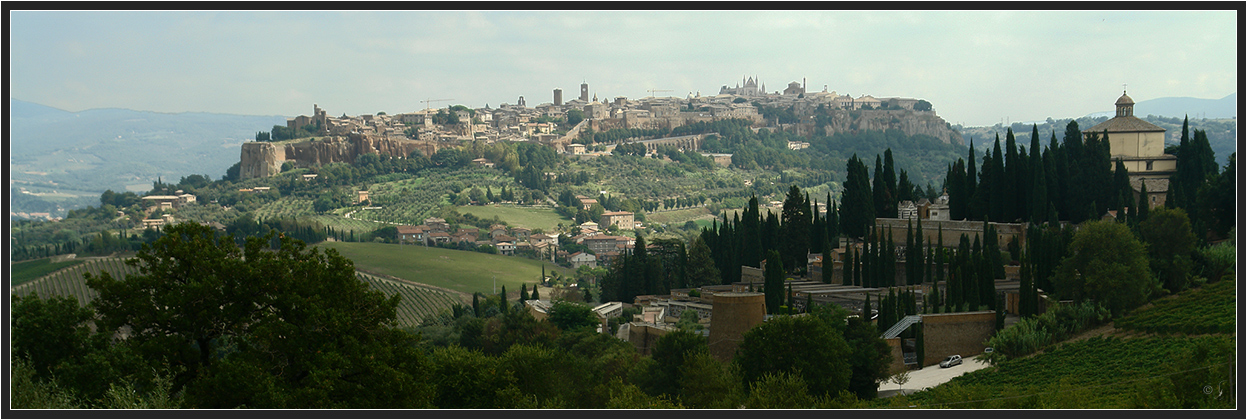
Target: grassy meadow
[527, 217]
[462, 271]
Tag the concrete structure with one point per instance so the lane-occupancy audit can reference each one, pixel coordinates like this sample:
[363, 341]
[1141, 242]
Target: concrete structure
[621, 219]
[644, 335]
[580, 259]
[957, 333]
[732, 315]
[1005, 232]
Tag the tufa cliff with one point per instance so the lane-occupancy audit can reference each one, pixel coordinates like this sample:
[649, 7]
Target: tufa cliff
[907, 121]
[261, 159]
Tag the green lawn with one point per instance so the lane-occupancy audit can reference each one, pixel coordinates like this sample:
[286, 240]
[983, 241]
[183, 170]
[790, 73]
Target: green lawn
[528, 217]
[25, 271]
[463, 271]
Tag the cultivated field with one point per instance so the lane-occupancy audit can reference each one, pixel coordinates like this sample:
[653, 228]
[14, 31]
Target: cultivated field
[25, 271]
[69, 281]
[462, 271]
[527, 217]
[418, 302]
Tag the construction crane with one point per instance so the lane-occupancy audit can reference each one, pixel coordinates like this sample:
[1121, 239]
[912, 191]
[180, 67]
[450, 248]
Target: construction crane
[427, 101]
[651, 91]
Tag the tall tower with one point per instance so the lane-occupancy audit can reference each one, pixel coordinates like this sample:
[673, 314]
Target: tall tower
[584, 91]
[558, 97]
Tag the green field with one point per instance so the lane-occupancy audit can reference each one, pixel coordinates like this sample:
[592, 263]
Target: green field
[462, 271]
[25, 271]
[528, 217]
[1208, 309]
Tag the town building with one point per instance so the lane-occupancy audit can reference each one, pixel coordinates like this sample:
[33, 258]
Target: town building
[620, 219]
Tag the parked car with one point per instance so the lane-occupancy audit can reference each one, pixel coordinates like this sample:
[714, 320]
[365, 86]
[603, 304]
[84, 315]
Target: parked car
[951, 361]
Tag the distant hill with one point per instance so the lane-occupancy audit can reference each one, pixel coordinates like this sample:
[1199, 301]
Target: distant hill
[1178, 107]
[70, 157]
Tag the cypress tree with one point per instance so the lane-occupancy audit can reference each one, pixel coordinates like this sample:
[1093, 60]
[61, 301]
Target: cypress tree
[889, 260]
[973, 268]
[971, 187]
[1144, 203]
[828, 265]
[1012, 178]
[881, 193]
[909, 253]
[524, 292]
[535, 296]
[866, 310]
[773, 277]
[857, 268]
[476, 304]
[998, 181]
[889, 182]
[502, 300]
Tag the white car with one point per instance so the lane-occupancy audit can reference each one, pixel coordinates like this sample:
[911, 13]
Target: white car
[951, 361]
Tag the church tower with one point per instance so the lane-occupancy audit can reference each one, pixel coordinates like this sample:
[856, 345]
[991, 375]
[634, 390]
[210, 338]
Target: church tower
[1140, 146]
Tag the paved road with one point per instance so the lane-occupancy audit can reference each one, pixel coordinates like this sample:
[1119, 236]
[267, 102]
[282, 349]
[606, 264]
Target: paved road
[930, 376]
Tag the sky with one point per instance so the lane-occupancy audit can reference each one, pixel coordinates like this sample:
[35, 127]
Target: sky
[976, 67]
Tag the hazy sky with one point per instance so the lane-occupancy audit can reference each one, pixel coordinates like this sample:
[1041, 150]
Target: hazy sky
[976, 67]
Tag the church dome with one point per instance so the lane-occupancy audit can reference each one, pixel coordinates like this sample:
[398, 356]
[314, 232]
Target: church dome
[1124, 100]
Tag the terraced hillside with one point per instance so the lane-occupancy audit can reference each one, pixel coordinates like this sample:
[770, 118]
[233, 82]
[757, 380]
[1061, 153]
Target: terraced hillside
[418, 302]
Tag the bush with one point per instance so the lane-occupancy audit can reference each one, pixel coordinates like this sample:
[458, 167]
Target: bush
[1217, 259]
[1033, 334]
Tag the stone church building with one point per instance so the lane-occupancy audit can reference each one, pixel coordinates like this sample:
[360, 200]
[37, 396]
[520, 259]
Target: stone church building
[1140, 146]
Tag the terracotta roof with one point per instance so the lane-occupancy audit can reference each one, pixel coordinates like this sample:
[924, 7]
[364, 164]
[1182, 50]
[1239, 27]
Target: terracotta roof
[1124, 125]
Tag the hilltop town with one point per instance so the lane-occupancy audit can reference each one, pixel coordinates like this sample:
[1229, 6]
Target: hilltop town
[561, 124]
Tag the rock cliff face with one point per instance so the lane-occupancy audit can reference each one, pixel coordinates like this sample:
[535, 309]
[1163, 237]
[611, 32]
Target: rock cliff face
[909, 122]
[261, 159]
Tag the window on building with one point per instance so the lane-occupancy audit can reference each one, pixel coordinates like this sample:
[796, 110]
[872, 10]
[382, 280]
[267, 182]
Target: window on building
[1149, 165]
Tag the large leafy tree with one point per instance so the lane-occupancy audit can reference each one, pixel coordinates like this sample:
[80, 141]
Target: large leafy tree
[570, 316]
[1167, 232]
[1106, 263]
[262, 327]
[808, 346]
